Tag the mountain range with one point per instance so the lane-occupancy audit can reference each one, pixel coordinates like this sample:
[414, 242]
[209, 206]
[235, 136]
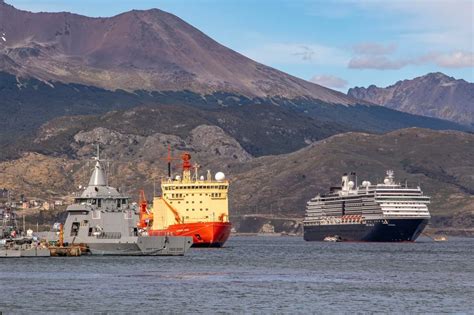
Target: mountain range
[143, 80]
[433, 95]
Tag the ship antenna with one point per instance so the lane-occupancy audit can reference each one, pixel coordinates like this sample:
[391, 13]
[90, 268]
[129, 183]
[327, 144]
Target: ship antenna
[169, 160]
[107, 173]
[98, 152]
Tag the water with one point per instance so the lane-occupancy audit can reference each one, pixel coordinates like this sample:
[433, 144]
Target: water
[251, 275]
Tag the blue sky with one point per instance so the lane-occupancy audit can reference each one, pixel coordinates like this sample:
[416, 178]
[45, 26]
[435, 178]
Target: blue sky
[339, 44]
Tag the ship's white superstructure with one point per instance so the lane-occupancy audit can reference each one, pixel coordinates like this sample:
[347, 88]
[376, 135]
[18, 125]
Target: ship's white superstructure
[350, 204]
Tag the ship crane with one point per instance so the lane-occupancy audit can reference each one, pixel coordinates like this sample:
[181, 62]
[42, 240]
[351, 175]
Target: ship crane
[146, 217]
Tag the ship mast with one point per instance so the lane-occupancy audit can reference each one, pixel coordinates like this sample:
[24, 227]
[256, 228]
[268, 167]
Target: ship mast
[186, 157]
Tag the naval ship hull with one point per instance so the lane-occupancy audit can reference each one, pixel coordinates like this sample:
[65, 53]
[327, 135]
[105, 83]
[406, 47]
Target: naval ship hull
[387, 230]
[204, 234]
[143, 246]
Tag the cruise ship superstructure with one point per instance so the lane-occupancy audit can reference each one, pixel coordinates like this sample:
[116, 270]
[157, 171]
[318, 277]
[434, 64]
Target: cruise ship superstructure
[385, 212]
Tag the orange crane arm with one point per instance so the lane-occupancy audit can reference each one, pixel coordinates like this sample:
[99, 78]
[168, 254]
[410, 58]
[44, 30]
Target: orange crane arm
[146, 217]
[175, 212]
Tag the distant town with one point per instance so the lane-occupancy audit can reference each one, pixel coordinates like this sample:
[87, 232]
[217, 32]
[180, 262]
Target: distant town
[20, 201]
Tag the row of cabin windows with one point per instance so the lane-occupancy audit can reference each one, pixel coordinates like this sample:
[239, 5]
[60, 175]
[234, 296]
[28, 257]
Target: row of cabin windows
[187, 217]
[99, 202]
[179, 202]
[181, 195]
[195, 187]
[200, 209]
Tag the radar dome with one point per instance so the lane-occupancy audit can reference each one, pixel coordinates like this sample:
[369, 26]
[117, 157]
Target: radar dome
[219, 176]
[201, 178]
[365, 183]
[351, 184]
[386, 181]
[178, 177]
[56, 226]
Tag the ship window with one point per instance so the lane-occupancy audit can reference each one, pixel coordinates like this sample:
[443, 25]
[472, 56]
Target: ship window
[193, 209]
[171, 201]
[75, 228]
[192, 201]
[99, 203]
[187, 201]
[200, 194]
[124, 201]
[118, 203]
[200, 201]
[200, 209]
[93, 201]
[179, 201]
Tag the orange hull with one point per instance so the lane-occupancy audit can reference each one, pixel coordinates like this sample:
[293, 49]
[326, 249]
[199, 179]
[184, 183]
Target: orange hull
[205, 234]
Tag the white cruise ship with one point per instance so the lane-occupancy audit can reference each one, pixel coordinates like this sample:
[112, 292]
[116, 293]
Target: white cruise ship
[385, 212]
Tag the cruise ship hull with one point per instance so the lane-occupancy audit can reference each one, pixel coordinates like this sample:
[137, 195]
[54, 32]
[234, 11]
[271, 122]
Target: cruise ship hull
[389, 230]
[205, 234]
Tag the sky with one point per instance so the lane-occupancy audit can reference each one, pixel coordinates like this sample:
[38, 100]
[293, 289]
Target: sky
[338, 44]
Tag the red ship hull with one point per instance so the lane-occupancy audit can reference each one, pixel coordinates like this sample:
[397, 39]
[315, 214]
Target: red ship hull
[205, 234]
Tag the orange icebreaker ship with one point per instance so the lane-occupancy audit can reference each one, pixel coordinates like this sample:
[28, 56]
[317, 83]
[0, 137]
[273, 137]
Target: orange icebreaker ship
[192, 205]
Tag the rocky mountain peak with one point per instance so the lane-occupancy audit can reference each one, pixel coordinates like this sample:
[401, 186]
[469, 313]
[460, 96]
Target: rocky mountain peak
[140, 50]
[434, 95]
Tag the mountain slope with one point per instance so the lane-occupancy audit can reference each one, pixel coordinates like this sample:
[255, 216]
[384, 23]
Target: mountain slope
[433, 95]
[151, 50]
[263, 126]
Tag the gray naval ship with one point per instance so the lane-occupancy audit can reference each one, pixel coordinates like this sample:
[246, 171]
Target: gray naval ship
[105, 221]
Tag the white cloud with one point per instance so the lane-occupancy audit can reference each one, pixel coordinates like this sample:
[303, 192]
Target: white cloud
[372, 48]
[297, 53]
[376, 62]
[454, 59]
[329, 81]
[444, 23]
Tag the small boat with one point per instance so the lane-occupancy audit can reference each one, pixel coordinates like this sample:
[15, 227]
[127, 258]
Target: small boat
[335, 238]
[440, 238]
[23, 248]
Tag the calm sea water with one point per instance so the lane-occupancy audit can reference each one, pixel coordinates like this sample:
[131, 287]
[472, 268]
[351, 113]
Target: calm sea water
[251, 275]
